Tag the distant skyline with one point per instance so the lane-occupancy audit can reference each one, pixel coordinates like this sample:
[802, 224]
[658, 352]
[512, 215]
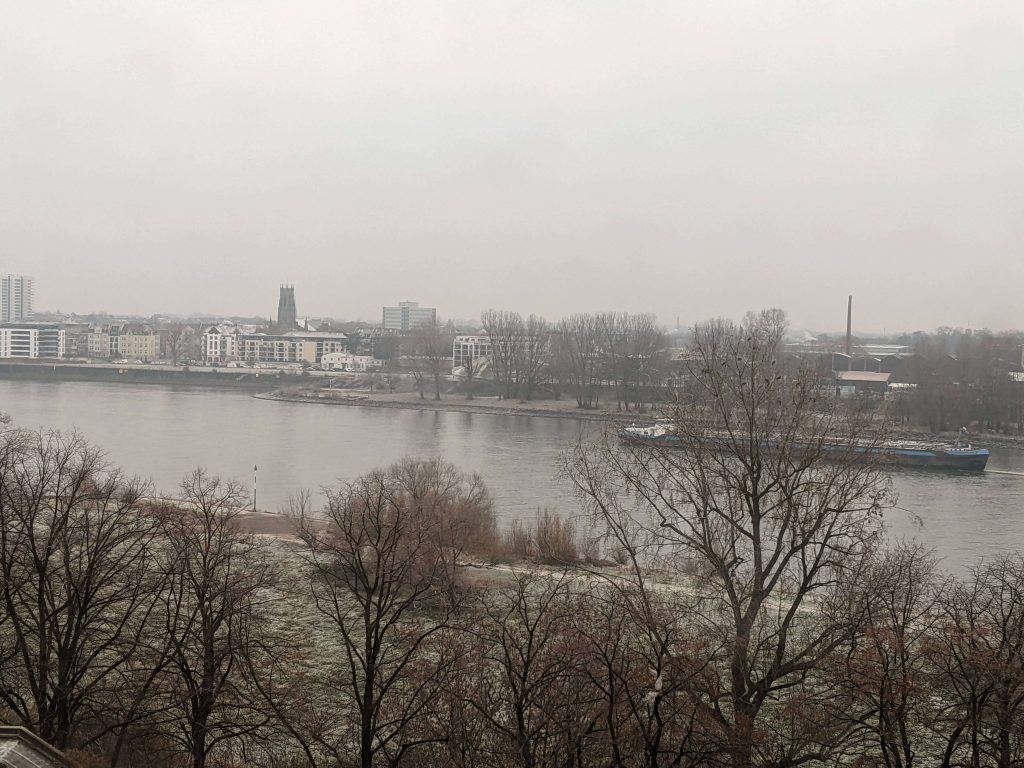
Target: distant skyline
[686, 159]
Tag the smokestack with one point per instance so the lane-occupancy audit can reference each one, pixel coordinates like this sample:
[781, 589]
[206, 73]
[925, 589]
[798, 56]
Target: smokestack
[849, 326]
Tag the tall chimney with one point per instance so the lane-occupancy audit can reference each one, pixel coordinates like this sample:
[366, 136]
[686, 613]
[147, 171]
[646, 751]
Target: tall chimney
[849, 326]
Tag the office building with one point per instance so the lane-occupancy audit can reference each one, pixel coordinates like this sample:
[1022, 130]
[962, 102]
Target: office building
[408, 315]
[471, 349]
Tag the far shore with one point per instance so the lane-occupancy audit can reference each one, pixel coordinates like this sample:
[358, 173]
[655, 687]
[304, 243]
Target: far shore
[562, 409]
[552, 409]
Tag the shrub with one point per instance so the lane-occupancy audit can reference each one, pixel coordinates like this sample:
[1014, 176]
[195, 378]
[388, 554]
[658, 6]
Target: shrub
[554, 538]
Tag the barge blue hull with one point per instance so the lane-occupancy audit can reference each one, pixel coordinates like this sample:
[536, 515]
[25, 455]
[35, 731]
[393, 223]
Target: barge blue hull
[947, 458]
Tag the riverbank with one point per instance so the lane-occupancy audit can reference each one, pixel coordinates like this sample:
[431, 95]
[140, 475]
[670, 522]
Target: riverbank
[560, 409]
[551, 409]
[166, 375]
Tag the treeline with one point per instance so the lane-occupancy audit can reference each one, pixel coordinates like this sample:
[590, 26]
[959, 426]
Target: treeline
[964, 378]
[583, 355]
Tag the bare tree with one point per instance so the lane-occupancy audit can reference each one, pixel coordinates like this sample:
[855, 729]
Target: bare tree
[654, 673]
[415, 364]
[78, 585]
[176, 340]
[632, 349]
[530, 688]
[884, 693]
[646, 359]
[506, 332]
[979, 660]
[383, 575]
[219, 580]
[431, 347]
[534, 355]
[769, 496]
[578, 350]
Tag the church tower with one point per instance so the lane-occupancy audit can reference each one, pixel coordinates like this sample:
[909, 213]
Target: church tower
[286, 316]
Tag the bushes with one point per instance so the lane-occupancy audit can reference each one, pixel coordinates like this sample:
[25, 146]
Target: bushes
[551, 539]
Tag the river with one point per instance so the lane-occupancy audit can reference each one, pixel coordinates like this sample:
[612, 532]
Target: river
[162, 433]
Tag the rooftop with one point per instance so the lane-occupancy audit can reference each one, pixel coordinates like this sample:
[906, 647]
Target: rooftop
[863, 377]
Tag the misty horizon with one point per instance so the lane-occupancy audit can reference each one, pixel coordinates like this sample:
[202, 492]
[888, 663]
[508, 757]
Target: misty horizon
[692, 161]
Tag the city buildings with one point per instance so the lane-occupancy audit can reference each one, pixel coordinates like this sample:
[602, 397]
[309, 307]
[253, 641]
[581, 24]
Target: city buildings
[133, 341]
[76, 337]
[138, 342]
[407, 315]
[101, 341]
[294, 347]
[468, 349]
[31, 340]
[225, 344]
[221, 344]
[346, 361]
[15, 298]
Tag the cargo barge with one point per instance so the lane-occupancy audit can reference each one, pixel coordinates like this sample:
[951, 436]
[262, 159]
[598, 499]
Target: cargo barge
[958, 456]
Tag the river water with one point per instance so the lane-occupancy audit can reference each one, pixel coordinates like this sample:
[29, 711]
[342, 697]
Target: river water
[162, 433]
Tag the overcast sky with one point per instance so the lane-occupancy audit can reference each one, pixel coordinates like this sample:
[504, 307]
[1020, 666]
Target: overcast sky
[690, 159]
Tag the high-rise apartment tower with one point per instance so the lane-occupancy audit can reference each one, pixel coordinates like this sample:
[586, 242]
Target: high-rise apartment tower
[15, 298]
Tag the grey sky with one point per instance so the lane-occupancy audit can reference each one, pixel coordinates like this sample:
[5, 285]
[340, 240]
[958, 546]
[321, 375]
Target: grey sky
[685, 158]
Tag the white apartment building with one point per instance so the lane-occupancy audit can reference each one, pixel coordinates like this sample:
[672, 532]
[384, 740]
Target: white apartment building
[221, 344]
[407, 315]
[346, 361]
[31, 340]
[15, 298]
[470, 348]
[293, 347]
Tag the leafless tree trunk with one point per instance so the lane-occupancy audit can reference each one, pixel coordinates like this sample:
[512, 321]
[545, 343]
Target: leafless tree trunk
[534, 355]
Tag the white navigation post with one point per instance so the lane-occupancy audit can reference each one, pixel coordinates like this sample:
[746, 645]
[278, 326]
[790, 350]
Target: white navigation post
[254, 469]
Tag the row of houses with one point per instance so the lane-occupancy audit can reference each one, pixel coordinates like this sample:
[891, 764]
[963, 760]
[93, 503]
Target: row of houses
[224, 344]
[214, 345]
[52, 340]
[232, 344]
[133, 341]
